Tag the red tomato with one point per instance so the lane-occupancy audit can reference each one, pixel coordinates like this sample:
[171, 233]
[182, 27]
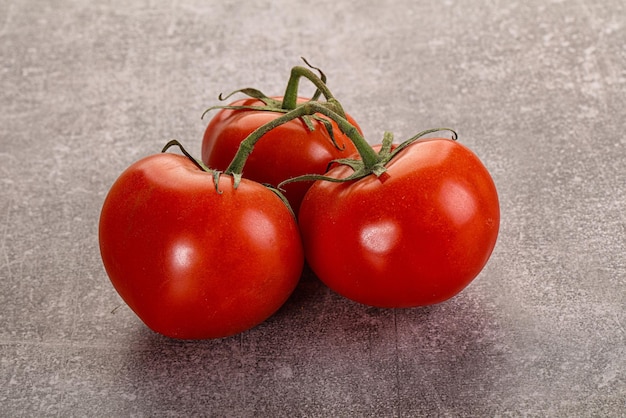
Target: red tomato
[417, 235]
[193, 263]
[286, 151]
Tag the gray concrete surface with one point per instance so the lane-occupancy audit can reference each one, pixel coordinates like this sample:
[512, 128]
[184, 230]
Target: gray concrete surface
[536, 88]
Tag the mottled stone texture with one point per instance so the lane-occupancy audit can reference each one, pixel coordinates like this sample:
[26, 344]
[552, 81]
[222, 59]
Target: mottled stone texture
[536, 88]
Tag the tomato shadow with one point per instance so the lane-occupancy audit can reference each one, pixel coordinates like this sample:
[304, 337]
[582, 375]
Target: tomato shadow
[310, 291]
[445, 357]
[181, 376]
[451, 357]
[320, 348]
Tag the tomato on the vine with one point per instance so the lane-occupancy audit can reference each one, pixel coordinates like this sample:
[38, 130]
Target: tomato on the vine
[416, 234]
[193, 256]
[289, 150]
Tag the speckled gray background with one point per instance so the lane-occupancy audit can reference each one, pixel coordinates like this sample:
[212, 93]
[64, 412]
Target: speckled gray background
[536, 88]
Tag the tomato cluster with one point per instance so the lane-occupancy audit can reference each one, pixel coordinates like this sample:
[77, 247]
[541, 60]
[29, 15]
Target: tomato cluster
[210, 248]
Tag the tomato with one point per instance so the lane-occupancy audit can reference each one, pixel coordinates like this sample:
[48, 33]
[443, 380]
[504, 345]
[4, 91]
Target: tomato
[416, 235]
[191, 262]
[286, 151]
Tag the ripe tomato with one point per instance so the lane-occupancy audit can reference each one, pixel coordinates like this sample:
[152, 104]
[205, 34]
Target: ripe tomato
[193, 263]
[416, 235]
[286, 151]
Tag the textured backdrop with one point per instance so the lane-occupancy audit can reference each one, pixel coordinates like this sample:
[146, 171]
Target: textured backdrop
[536, 88]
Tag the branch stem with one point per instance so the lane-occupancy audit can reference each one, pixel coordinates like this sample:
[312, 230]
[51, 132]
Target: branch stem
[368, 155]
[290, 98]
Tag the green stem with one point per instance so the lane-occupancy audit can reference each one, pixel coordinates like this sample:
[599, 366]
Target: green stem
[365, 150]
[198, 163]
[290, 98]
[322, 76]
[368, 155]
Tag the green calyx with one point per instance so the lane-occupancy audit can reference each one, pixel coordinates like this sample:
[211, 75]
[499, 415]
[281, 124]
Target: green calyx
[216, 173]
[290, 98]
[305, 109]
[198, 163]
[326, 112]
[290, 109]
[285, 107]
[370, 162]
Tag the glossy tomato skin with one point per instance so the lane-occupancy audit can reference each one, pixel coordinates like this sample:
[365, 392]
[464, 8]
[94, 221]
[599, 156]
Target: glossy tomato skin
[416, 236]
[287, 151]
[192, 263]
